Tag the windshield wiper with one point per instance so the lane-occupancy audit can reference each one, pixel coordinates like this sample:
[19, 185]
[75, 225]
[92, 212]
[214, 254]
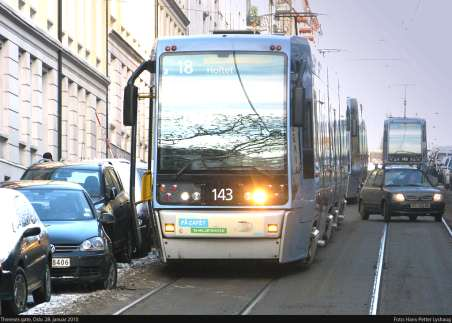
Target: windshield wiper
[183, 168]
[246, 93]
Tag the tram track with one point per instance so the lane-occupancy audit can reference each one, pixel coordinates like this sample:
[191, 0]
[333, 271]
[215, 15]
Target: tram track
[239, 295]
[375, 295]
[145, 297]
[259, 296]
[203, 291]
[382, 263]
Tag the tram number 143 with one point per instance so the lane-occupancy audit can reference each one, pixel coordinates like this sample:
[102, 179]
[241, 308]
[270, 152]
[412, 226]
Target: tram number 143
[223, 194]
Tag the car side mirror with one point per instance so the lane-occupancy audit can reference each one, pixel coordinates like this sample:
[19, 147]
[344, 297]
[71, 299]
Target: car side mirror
[106, 218]
[31, 232]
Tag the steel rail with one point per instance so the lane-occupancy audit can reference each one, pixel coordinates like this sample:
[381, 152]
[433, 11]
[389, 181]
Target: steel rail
[378, 274]
[144, 297]
[256, 299]
[447, 227]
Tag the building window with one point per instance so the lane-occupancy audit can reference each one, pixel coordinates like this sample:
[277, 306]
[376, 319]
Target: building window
[32, 13]
[49, 25]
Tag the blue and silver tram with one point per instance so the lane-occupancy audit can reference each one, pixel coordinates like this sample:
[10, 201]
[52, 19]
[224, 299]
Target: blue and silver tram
[405, 141]
[358, 158]
[245, 148]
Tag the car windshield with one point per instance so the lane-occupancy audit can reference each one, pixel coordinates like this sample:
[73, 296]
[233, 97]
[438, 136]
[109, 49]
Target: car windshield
[242, 100]
[87, 178]
[59, 204]
[406, 177]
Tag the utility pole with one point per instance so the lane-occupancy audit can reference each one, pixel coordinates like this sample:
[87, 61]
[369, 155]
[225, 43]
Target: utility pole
[405, 101]
[270, 10]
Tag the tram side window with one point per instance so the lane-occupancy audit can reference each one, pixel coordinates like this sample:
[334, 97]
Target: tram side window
[307, 119]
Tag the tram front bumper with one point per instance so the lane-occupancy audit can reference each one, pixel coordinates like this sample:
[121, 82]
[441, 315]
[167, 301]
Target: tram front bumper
[221, 248]
[221, 234]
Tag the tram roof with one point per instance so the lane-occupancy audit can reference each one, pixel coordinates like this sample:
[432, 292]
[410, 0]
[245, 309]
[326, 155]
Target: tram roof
[230, 42]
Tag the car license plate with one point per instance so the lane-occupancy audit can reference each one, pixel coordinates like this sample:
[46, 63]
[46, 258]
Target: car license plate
[420, 205]
[61, 262]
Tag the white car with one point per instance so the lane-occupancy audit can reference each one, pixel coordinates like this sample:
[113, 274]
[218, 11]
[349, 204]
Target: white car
[25, 254]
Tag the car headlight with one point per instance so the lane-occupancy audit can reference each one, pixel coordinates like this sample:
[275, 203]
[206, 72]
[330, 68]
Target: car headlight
[437, 197]
[93, 244]
[399, 197]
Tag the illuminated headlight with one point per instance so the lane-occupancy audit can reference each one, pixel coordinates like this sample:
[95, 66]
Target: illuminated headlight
[185, 196]
[399, 197]
[196, 196]
[170, 227]
[437, 197]
[259, 197]
[93, 244]
[272, 228]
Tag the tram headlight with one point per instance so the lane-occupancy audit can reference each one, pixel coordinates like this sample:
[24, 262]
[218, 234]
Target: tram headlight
[259, 196]
[185, 196]
[399, 197]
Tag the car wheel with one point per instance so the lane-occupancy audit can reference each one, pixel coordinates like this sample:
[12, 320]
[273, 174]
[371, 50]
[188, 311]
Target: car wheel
[438, 218]
[413, 218]
[111, 276]
[386, 212]
[363, 211]
[44, 293]
[19, 302]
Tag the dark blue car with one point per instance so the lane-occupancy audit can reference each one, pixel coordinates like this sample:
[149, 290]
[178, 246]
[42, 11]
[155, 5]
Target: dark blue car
[82, 251]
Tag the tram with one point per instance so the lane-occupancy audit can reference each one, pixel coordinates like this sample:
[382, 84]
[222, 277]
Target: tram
[358, 157]
[405, 141]
[248, 146]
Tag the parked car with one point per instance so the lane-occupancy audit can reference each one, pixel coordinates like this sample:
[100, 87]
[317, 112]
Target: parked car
[447, 171]
[441, 165]
[25, 254]
[122, 167]
[82, 251]
[400, 191]
[105, 188]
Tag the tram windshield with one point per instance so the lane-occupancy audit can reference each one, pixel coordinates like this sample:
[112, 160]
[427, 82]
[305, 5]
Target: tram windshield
[405, 138]
[223, 111]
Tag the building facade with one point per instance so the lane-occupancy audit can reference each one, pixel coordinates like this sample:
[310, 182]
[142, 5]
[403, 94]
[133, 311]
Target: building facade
[102, 42]
[207, 16]
[98, 56]
[29, 82]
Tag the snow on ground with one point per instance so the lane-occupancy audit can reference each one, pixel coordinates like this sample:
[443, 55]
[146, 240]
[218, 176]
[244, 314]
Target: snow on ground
[64, 302]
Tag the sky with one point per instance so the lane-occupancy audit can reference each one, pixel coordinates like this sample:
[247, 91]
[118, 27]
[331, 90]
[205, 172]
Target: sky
[387, 43]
